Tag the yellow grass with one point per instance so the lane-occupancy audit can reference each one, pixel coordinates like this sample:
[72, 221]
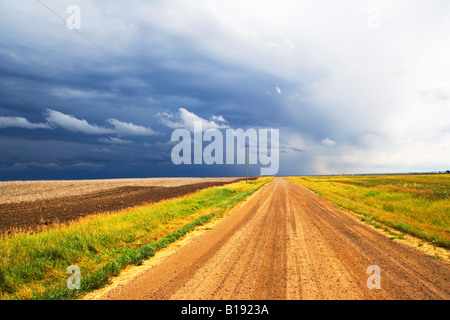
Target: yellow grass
[414, 204]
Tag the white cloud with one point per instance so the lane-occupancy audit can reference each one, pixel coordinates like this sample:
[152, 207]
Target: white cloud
[218, 118]
[70, 123]
[386, 155]
[19, 122]
[186, 119]
[328, 142]
[130, 129]
[56, 119]
[277, 91]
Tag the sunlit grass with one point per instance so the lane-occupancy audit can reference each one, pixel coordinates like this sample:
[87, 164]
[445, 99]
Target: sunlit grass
[414, 204]
[34, 265]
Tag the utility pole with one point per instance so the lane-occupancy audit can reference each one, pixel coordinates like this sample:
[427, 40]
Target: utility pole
[246, 165]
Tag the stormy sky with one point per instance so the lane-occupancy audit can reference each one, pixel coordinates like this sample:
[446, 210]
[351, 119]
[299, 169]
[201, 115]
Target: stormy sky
[353, 86]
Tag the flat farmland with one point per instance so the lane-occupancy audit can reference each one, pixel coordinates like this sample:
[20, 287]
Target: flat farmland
[272, 238]
[33, 262]
[18, 191]
[34, 205]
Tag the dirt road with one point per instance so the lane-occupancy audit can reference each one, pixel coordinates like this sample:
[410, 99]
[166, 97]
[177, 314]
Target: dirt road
[288, 243]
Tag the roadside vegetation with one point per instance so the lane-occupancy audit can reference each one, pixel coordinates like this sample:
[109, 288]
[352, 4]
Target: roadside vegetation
[418, 205]
[33, 266]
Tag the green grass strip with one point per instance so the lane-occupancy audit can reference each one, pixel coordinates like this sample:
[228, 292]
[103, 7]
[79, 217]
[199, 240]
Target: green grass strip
[102, 277]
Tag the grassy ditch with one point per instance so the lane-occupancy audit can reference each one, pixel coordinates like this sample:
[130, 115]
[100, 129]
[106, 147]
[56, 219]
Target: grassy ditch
[418, 205]
[33, 266]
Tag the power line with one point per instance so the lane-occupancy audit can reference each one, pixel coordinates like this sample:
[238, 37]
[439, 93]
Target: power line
[79, 32]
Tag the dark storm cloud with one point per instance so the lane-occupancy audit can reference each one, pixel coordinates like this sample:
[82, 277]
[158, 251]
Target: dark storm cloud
[72, 98]
[89, 103]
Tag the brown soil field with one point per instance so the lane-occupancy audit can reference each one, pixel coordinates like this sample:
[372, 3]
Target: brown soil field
[35, 215]
[18, 191]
